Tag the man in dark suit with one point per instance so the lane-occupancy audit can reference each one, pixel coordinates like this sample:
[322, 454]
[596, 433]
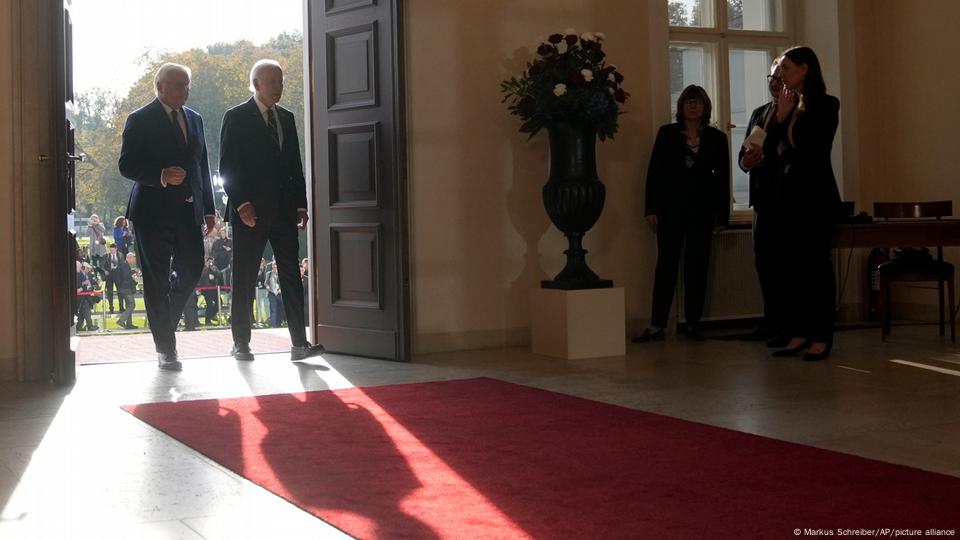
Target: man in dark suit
[263, 176]
[111, 262]
[126, 289]
[165, 154]
[765, 248]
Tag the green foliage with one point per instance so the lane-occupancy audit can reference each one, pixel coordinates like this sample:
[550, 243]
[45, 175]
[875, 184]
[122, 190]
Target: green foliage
[220, 81]
[568, 82]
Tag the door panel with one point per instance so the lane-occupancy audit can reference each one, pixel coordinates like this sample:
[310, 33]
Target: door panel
[359, 229]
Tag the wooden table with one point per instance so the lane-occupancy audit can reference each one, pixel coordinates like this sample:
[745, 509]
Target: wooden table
[891, 233]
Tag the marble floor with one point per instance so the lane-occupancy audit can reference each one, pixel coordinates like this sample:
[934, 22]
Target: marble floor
[73, 465]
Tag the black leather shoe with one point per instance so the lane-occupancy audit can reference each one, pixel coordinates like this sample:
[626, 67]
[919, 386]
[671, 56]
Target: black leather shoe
[647, 335]
[778, 341]
[241, 351]
[131, 326]
[792, 351]
[169, 362]
[694, 334]
[814, 357]
[301, 352]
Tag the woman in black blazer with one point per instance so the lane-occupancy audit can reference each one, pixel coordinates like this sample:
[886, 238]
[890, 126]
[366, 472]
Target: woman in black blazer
[799, 143]
[688, 195]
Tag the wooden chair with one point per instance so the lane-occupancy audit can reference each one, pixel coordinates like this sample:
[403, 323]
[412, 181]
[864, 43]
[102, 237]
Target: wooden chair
[916, 269]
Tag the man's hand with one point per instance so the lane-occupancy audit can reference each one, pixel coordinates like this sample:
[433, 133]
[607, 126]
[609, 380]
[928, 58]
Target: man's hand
[172, 176]
[210, 223]
[752, 158]
[248, 215]
[302, 219]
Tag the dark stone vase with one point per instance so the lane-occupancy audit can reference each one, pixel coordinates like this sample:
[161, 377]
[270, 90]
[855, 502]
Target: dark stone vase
[574, 197]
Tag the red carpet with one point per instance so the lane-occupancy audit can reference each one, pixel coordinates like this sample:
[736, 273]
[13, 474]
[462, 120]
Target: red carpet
[482, 458]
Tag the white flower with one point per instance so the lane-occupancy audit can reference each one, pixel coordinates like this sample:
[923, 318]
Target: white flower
[588, 36]
[600, 36]
[612, 66]
[587, 74]
[610, 89]
[560, 89]
[569, 32]
[611, 78]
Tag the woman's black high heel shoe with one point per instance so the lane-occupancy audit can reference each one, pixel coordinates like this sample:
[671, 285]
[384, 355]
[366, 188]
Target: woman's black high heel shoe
[813, 357]
[792, 351]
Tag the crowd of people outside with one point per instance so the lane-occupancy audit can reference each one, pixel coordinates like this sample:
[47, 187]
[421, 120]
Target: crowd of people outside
[107, 271]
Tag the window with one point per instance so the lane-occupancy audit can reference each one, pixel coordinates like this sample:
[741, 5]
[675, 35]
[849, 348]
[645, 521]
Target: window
[727, 46]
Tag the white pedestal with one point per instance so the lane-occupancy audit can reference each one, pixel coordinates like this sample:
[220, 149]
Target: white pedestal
[587, 323]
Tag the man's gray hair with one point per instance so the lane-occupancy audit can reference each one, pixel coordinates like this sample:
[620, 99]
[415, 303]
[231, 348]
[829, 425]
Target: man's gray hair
[166, 69]
[255, 70]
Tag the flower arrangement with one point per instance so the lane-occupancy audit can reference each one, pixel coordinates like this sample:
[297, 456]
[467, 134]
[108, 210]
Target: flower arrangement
[568, 82]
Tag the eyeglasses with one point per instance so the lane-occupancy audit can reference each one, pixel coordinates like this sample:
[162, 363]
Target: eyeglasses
[774, 78]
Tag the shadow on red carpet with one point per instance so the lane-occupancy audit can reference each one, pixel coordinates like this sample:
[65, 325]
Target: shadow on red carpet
[482, 458]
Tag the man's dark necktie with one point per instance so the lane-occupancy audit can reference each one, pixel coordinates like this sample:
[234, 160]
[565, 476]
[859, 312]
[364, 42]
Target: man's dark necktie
[176, 127]
[272, 124]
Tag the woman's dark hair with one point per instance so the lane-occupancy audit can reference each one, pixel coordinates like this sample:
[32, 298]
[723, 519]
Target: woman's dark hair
[695, 92]
[813, 84]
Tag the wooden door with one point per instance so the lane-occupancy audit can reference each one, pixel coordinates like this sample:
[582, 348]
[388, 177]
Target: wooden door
[356, 154]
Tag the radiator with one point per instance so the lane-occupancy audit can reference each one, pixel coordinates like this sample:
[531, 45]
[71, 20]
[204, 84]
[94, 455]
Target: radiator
[733, 291]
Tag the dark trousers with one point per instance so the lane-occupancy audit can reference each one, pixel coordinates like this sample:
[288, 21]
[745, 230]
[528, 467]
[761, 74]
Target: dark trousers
[191, 319]
[127, 303]
[691, 240]
[110, 284]
[248, 244]
[767, 260]
[84, 319]
[171, 259]
[810, 285]
[276, 309]
[212, 300]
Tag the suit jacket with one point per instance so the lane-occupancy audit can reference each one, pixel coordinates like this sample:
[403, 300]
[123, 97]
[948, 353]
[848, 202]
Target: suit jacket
[759, 191]
[124, 279]
[255, 170]
[151, 144]
[806, 187]
[702, 191]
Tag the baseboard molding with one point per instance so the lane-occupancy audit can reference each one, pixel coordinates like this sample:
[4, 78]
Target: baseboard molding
[435, 342]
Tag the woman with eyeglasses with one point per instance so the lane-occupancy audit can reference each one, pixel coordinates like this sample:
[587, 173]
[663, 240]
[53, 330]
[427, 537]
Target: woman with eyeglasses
[799, 143]
[688, 196]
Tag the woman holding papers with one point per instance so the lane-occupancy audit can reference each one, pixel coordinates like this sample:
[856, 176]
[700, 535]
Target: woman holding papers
[688, 195]
[799, 142]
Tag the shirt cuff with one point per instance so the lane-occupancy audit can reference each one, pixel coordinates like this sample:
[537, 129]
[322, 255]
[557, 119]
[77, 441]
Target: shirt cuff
[301, 209]
[162, 183]
[242, 205]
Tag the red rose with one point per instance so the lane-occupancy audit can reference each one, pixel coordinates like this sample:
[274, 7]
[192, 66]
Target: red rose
[617, 77]
[571, 39]
[620, 95]
[555, 38]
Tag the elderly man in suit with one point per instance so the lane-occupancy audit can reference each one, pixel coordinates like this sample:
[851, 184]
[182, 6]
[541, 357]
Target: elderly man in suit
[263, 176]
[165, 154]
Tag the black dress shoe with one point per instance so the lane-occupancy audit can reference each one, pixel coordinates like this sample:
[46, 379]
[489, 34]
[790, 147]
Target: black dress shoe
[647, 335]
[301, 352]
[778, 341]
[814, 357]
[694, 334]
[241, 351]
[792, 351]
[131, 326]
[169, 362]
